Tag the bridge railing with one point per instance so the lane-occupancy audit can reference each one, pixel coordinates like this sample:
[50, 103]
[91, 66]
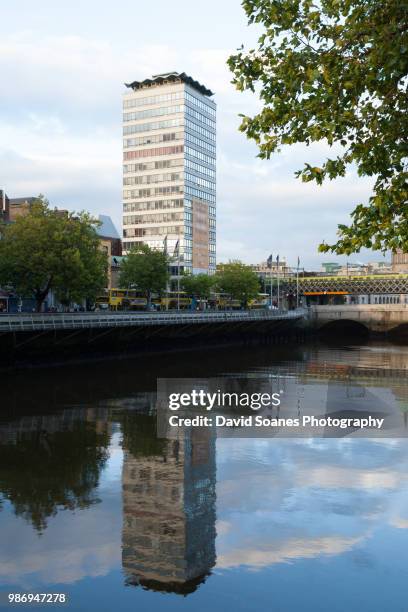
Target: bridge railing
[51, 321]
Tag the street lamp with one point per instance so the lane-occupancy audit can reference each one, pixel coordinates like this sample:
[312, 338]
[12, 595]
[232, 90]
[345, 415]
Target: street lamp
[269, 265]
[176, 253]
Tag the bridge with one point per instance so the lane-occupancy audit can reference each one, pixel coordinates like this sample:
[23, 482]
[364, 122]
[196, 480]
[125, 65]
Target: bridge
[351, 285]
[378, 318]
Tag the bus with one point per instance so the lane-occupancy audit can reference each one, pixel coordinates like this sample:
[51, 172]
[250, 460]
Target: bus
[126, 299]
[133, 299]
[102, 301]
[223, 301]
[174, 299]
[261, 301]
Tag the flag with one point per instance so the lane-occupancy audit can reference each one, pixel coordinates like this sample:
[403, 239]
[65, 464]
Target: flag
[165, 246]
[269, 261]
[277, 259]
[298, 262]
[177, 249]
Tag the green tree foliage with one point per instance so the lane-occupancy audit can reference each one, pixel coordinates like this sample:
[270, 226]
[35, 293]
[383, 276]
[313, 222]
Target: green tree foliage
[145, 269]
[198, 285]
[46, 250]
[238, 280]
[140, 435]
[49, 471]
[336, 71]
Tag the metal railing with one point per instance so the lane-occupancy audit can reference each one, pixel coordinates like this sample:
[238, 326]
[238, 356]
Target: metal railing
[57, 321]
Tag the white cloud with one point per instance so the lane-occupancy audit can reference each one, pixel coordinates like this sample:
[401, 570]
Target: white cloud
[284, 552]
[60, 134]
[352, 478]
[399, 522]
[90, 542]
[223, 527]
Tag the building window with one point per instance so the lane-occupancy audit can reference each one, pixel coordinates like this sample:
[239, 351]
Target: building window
[152, 152]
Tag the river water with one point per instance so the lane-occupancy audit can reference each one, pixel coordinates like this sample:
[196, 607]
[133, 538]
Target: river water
[94, 505]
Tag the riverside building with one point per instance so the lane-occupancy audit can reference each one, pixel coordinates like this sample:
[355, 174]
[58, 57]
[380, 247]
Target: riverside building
[169, 170]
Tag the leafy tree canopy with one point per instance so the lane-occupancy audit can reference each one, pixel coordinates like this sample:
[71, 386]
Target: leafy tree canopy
[198, 285]
[49, 250]
[336, 70]
[238, 280]
[49, 471]
[146, 269]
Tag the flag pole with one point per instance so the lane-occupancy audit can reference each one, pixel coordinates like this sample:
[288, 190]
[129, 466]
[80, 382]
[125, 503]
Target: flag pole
[277, 272]
[297, 283]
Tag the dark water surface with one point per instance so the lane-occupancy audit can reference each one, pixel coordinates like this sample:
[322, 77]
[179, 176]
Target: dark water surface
[94, 505]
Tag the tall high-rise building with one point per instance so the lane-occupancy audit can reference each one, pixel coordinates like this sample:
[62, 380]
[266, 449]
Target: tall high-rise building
[169, 170]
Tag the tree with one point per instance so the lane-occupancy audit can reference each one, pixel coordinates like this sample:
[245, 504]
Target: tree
[49, 471]
[146, 269]
[198, 285]
[140, 435]
[238, 280]
[48, 250]
[336, 70]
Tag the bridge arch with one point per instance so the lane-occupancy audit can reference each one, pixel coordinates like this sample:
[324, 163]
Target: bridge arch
[377, 318]
[343, 327]
[399, 332]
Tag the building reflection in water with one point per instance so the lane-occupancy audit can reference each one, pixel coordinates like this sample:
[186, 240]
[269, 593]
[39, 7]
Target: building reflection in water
[168, 537]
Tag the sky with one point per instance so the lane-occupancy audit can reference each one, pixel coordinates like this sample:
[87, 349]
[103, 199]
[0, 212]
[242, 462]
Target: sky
[63, 66]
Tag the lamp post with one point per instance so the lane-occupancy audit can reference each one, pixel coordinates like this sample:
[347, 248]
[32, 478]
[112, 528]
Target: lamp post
[168, 286]
[269, 264]
[178, 278]
[177, 252]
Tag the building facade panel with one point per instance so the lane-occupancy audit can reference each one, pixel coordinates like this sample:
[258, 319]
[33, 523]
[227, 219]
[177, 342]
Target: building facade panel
[400, 262]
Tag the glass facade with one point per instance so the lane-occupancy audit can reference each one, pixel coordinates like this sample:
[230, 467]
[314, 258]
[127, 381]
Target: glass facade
[169, 199]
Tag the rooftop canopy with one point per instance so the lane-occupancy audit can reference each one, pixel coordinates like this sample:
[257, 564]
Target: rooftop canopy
[169, 77]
